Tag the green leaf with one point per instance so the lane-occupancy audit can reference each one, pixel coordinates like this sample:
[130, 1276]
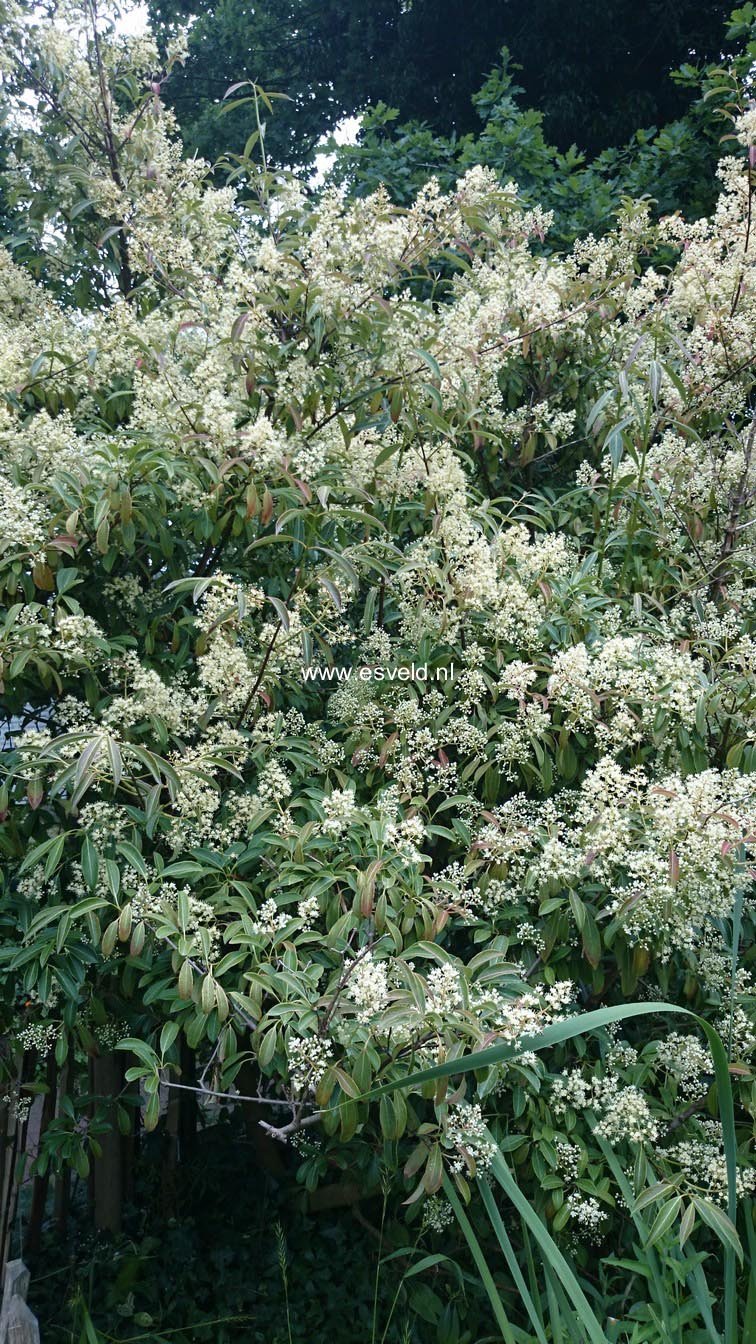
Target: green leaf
[53, 858]
[502, 1320]
[90, 864]
[664, 1219]
[133, 857]
[719, 1222]
[687, 1223]
[434, 1170]
[168, 1034]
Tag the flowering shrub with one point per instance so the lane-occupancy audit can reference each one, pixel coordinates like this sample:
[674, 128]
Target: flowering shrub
[288, 434]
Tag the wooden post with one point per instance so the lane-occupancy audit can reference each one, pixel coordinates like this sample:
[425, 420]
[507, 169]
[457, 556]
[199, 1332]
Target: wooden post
[169, 1141]
[41, 1184]
[18, 1324]
[12, 1141]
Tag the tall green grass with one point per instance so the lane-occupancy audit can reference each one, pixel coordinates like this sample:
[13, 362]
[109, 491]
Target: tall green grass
[556, 1303]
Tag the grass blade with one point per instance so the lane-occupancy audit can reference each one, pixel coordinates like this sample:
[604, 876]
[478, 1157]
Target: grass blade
[502, 1320]
[623, 1185]
[699, 1289]
[511, 1259]
[578, 1026]
[749, 1333]
[550, 1250]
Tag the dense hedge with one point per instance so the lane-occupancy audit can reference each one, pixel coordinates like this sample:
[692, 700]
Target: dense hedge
[378, 654]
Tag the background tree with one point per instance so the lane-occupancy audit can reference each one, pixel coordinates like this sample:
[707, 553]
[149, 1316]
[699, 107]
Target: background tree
[596, 70]
[676, 167]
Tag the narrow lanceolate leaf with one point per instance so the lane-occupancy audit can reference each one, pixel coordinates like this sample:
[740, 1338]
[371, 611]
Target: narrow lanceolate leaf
[90, 863]
[35, 855]
[136, 945]
[664, 1219]
[133, 857]
[207, 994]
[109, 939]
[124, 924]
[333, 593]
[152, 1112]
[168, 1034]
[687, 1223]
[719, 1222]
[54, 856]
[494, 1297]
[116, 761]
[281, 612]
[185, 980]
[651, 1195]
[434, 1170]
[551, 1252]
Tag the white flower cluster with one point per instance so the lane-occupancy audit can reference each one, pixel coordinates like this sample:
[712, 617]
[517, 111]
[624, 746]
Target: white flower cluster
[270, 919]
[273, 785]
[627, 1116]
[617, 688]
[226, 672]
[367, 987]
[568, 1159]
[308, 910]
[39, 1036]
[529, 1014]
[147, 696]
[308, 1058]
[745, 126]
[340, 812]
[24, 527]
[688, 1060]
[438, 1214]
[740, 1029]
[19, 1107]
[108, 1034]
[624, 1111]
[661, 850]
[587, 1215]
[407, 836]
[444, 989]
[703, 1164]
[465, 1133]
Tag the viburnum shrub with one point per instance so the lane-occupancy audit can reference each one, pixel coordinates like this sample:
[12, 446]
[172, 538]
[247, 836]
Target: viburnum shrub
[377, 656]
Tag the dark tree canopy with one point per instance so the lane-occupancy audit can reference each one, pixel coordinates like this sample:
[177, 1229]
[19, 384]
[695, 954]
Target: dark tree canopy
[597, 68]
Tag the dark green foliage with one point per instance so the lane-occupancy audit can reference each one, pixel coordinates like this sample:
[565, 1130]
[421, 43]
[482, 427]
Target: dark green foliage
[597, 70]
[675, 166]
[195, 1274]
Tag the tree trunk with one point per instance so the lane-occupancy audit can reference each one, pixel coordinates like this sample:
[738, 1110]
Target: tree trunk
[107, 1170]
[267, 1150]
[62, 1196]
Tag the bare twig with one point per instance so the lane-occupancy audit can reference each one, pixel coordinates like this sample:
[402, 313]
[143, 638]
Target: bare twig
[298, 1122]
[230, 1096]
[678, 1120]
